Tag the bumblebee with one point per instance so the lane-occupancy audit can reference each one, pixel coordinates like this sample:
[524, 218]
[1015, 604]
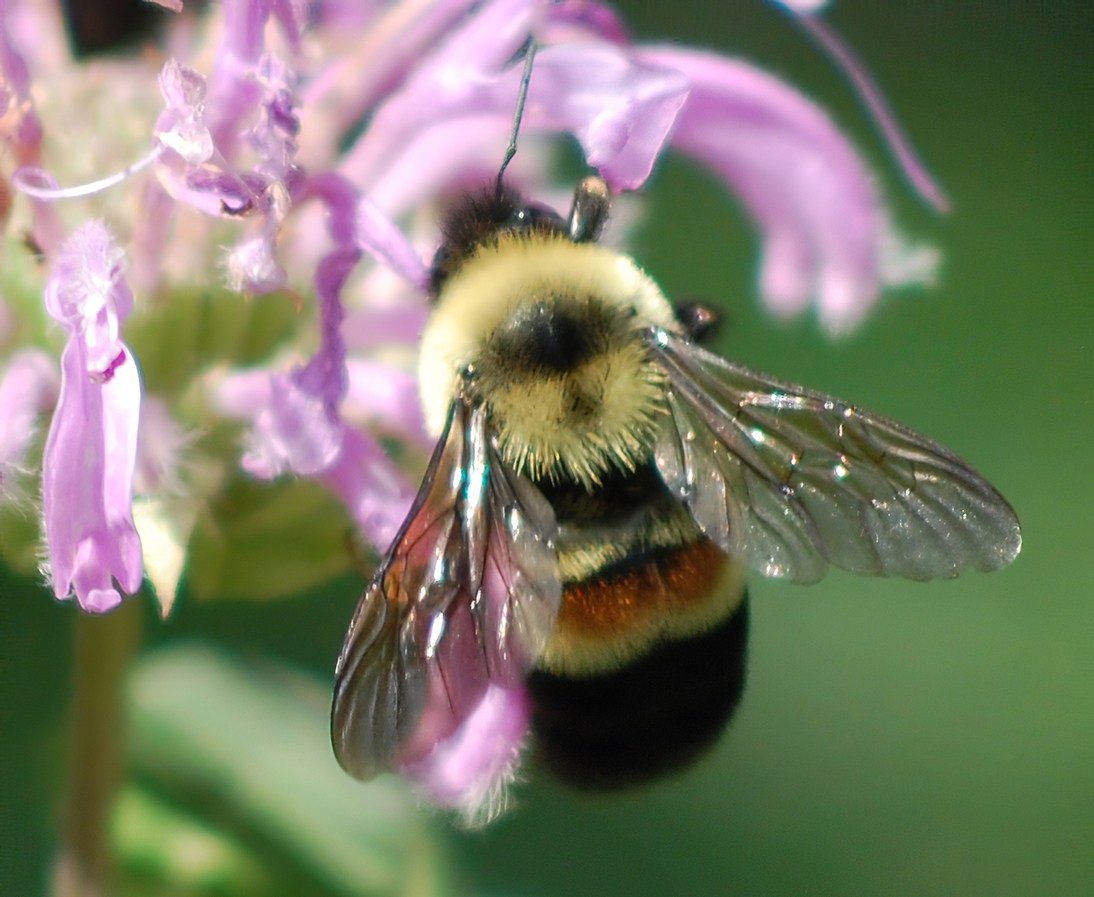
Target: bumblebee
[600, 484]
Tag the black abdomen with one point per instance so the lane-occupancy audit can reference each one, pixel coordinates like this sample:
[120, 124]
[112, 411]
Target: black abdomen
[650, 717]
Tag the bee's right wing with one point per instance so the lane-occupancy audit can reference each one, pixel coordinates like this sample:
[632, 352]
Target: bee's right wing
[791, 480]
[467, 595]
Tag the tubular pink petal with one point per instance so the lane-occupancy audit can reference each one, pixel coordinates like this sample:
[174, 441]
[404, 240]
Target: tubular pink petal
[87, 295]
[300, 430]
[150, 237]
[213, 188]
[619, 108]
[449, 156]
[87, 477]
[273, 135]
[241, 394]
[359, 80]
[856, 71]
[234, 89]
[160, 443]
[181, 126]
[471, 768]
[815, 202]
[377, 235]
[371, 327]
[90, 453]
[23, 133]
[341, 199]
[245, 24]
[389, 397]
[582, 20]
[367, 481]
[325, 374]
[294, 433]
[253, 268]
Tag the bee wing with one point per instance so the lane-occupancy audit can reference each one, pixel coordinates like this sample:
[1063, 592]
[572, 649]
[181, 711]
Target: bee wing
[791, 480]
[466, 595]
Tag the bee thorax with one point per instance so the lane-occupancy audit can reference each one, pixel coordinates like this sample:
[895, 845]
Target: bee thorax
[550, 337]
[569, 388]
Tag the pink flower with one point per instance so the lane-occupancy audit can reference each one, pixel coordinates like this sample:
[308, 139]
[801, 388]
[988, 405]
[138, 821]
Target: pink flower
[318, 156]
[472, 769]
[87, 471]
[823, 225]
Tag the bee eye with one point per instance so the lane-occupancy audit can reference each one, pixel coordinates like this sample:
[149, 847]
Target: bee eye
[532, 218]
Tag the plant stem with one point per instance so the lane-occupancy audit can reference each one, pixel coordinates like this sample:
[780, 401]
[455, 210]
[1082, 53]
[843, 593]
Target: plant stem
[104, 645]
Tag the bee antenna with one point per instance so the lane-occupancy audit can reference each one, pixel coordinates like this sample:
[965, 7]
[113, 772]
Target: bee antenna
[522, 94]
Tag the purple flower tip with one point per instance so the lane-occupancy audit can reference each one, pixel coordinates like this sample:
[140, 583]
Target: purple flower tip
[181, 126]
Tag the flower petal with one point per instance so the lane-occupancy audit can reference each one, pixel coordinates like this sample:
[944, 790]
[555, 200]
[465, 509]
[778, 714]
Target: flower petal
[619, 107]
[377, 235]
[293, 433]
[87, 295]
[368, 482]
[181, 126]
[87, 482]
[28, 387]
[815, 202]
[91, 449]
[389, 397]
[470, 770]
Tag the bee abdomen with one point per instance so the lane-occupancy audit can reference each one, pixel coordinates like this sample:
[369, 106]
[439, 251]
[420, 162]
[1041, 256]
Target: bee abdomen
[646, 590]
[654, 715]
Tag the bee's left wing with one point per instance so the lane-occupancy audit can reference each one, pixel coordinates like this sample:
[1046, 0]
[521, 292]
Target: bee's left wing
[791, 480]
[467, 595]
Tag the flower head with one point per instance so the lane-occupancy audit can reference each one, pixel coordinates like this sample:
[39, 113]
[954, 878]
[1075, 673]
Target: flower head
[307, 165]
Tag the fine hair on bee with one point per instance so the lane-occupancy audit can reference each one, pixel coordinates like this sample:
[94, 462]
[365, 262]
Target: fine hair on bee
[600, 484]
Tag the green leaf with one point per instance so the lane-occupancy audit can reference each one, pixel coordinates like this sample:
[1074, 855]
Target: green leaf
[20, 539]
[268, 540]
[166, 850]
[247, 747]
[192, 330]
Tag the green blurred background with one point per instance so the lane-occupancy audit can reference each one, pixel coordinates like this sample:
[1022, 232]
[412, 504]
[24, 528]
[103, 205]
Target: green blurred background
[895, 738]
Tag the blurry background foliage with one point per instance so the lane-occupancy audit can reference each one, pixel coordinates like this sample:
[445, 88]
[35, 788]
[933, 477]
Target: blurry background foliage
[895, 738]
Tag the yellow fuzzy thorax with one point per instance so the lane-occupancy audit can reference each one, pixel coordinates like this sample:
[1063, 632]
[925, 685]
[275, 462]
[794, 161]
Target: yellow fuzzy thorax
[572, 423]
[580, 425]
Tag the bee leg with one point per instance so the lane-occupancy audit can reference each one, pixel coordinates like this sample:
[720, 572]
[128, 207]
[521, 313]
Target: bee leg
[699, 320]
[589, 214]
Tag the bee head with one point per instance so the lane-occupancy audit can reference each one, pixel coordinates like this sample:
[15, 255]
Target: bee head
[480, 219]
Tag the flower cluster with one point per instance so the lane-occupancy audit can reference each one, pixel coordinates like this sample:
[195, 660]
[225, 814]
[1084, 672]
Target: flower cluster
[314, 142]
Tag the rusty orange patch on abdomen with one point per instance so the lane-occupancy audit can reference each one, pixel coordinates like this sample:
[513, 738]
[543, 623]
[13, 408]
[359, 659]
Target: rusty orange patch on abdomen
[630, 595]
